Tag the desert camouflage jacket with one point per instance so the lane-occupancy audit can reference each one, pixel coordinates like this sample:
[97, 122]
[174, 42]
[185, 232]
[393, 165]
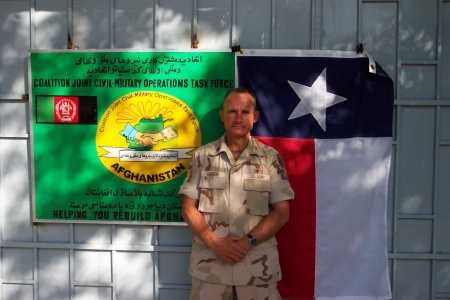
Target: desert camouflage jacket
[234, 196]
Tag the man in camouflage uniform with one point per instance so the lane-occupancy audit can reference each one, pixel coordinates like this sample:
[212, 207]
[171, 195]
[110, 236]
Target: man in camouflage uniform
[235, 199]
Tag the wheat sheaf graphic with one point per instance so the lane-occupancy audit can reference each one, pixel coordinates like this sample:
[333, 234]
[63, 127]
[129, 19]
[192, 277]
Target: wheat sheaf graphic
[133, 112]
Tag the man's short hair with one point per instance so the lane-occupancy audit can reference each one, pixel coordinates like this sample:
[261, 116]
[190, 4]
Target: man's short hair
[242, 90]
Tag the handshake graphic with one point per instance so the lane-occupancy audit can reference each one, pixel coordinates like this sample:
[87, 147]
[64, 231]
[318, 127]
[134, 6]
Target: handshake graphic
[147, 133]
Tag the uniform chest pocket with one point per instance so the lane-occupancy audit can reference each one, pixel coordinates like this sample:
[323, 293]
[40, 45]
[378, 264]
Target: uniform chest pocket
[257, 198]
[211, 191]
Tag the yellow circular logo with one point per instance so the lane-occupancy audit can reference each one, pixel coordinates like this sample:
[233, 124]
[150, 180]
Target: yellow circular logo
[147, 137]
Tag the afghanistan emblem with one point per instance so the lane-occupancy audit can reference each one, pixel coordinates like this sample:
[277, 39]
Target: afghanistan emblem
[66, 109]
[147, 137]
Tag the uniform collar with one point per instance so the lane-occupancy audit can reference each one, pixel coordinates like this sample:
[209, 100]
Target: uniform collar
[252, 148]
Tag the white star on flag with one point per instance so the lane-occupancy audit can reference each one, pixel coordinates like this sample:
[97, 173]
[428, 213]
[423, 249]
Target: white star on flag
[315, 99]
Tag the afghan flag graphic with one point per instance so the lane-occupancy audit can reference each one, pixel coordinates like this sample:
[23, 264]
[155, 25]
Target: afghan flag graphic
[331, 120]
[66, 109]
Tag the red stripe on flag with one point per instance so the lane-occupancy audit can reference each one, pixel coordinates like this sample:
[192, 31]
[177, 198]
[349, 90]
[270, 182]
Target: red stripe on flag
[297, 240]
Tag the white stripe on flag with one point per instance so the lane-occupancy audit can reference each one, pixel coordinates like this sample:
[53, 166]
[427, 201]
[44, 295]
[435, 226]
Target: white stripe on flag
[351, 193]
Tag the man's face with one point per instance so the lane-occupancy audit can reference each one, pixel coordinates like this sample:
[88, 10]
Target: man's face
[238, 114]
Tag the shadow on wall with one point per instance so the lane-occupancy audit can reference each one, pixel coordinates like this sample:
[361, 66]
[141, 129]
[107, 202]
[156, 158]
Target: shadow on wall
[138, 33]
[416, 81]
[378, 37]
[14, 33]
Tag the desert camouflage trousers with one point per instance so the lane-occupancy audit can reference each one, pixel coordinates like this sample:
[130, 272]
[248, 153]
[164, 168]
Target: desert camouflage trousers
[202, 290]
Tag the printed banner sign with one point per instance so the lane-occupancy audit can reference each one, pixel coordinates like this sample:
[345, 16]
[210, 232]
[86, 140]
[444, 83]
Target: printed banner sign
[113, 132]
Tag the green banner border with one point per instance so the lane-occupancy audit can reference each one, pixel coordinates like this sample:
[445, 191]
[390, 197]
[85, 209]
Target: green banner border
[32, 122]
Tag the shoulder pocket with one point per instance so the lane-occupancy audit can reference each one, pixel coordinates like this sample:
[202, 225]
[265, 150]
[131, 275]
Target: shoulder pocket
[211, 190]
[258, 191]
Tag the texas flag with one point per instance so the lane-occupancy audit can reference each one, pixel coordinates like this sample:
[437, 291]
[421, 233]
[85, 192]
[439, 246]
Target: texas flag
[331, 120]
